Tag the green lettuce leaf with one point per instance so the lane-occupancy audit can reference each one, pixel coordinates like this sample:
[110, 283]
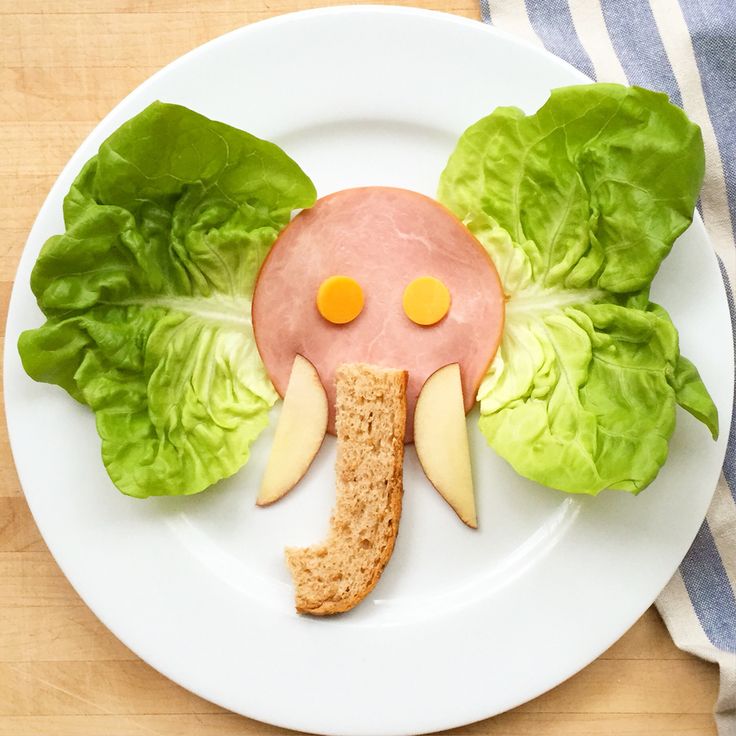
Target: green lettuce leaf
[578, 205]
[147, 296]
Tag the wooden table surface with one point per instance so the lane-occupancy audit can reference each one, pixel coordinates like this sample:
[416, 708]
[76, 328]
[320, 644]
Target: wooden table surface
[65, 64]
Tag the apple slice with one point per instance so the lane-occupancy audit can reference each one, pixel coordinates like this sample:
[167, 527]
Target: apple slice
[441, 441]
[299, 433]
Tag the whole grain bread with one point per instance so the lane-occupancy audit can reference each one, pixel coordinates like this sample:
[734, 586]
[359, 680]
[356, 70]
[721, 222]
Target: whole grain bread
[336, 575]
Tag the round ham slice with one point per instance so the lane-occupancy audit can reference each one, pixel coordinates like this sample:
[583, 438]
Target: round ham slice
[383, 238]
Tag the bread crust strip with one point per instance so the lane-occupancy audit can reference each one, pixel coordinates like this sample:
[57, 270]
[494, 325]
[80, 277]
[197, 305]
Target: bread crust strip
[334, 576]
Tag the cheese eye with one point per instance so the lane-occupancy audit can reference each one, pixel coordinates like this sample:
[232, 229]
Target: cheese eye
[426, 300]
[340, 299]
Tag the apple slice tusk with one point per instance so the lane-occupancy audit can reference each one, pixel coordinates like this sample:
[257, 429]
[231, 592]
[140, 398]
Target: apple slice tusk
[299, 433]
[441, 441]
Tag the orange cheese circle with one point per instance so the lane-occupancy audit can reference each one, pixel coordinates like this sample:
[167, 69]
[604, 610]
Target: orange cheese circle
[340, 299]
[426, 300]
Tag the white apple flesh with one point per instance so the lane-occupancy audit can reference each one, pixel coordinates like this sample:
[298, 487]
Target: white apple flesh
[441, 441]
[299, 432]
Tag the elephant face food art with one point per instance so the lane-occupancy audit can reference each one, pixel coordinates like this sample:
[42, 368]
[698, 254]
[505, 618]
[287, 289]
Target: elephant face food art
[183, 299]
[388, 278]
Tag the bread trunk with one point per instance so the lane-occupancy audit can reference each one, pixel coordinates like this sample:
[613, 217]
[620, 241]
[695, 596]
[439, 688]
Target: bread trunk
[336, 575]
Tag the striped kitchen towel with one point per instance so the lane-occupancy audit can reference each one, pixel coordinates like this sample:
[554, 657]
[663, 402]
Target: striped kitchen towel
[686, 48]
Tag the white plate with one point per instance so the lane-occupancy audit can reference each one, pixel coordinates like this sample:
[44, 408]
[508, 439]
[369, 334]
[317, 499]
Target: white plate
[463, 624]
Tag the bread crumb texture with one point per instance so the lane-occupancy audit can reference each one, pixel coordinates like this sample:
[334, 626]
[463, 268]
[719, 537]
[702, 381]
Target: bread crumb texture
[336, 575]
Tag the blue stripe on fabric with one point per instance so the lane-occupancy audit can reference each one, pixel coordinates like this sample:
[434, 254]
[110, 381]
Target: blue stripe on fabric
[485, 11]
[552, 21]
[710, 590]
[729, 464]
[711, 24]
[639, 48]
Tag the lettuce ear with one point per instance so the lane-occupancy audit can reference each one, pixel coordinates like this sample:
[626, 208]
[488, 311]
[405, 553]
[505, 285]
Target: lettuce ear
[147, 296]
[594, 188]
[578, 205]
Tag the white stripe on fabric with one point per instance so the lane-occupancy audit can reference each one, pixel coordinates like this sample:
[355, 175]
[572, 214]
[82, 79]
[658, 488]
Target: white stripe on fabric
[587, 17]
[510, 16]
[721, 516]
[678, 45]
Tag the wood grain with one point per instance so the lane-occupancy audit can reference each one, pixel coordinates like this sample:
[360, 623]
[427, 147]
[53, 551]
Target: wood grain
[63, 65]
